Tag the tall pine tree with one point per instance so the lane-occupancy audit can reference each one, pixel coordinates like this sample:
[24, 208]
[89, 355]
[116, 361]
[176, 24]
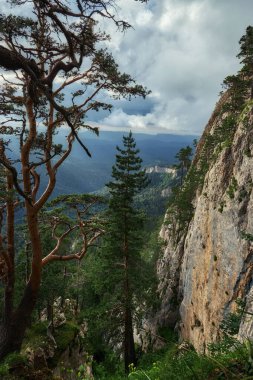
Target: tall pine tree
[124, 267]
[246, 51]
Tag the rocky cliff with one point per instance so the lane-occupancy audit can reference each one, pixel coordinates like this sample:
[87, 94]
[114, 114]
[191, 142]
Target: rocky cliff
[161, 169]
[208, 257]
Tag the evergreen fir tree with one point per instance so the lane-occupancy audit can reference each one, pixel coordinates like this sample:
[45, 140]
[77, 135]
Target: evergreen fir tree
[246, 51]
[184, 159]
[124, 267]
[246, 57]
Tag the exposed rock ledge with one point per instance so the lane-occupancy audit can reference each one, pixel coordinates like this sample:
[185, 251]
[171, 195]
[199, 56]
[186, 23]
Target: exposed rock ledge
[161, 169]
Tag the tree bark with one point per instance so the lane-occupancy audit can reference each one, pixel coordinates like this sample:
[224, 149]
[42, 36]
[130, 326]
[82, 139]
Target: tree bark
[10, 281]
[12, 331]
[15, 323]
[13, 328]
[129, 349]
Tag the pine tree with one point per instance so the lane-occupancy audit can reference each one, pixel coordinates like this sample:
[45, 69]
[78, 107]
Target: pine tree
[123, 265]
[246, 57]
[184, 158]
[56, 39]
[246, 51]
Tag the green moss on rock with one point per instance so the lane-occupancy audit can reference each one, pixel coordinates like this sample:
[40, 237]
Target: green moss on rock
[65, 338]
[36, 336]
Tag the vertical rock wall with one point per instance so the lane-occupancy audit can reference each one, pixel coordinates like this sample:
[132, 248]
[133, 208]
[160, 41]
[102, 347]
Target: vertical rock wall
[212, 265]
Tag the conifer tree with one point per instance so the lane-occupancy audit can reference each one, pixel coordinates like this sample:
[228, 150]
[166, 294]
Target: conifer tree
[246, 51]
[184, 158]
[58, 68]
[123, 264]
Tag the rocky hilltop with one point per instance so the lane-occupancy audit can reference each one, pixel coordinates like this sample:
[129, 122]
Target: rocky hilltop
[208, 258]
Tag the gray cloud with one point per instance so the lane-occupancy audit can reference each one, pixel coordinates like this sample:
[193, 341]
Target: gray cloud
[181, 50]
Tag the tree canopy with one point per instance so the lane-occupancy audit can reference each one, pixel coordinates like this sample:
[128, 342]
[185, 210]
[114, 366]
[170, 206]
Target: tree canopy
[56, 64]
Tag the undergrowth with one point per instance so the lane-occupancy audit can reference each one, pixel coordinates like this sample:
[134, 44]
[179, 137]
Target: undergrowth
[228, 359]
[172, 364]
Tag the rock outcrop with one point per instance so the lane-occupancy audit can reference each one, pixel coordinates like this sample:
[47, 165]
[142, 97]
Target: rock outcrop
[210, 266]
[51, 351]
[161, 169]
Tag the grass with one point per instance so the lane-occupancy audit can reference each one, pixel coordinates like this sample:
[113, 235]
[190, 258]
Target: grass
[175, 362]
[229, 360]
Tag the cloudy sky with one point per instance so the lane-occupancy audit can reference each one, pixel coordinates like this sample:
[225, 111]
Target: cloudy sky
[181, 50]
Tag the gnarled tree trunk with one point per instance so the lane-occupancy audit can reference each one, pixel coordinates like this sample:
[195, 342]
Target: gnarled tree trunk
[15, 322]
[12, 331]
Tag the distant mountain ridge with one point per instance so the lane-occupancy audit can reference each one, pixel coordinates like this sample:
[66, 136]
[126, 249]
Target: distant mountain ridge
[82, 174]
[86, 174]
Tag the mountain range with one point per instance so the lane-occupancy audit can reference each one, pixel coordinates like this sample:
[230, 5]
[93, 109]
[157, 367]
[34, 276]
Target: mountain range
[81, 173]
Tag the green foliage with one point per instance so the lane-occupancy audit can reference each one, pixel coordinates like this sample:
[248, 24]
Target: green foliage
[65, 334]
[246, 51]
[184, 159]
[4, 370]
[110, 367]
[152, 200]
[244, 116]
[221, 206]
[229, 327]
[232, 188]
[236, 109]
[50, 41]
[36, 336]
[180, 208]
[176, 363]
[120, 275]
[188, 365]
[125, 221]
[15, 359]
[12, 362]
[247, 236]
[238, 90]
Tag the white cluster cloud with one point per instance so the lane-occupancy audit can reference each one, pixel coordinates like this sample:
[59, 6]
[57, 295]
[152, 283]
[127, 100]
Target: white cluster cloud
[158, 120]
[181, 50]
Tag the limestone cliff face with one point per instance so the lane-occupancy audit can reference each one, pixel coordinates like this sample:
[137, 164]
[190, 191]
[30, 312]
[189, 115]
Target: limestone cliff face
[211, 265]
[161, 169]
